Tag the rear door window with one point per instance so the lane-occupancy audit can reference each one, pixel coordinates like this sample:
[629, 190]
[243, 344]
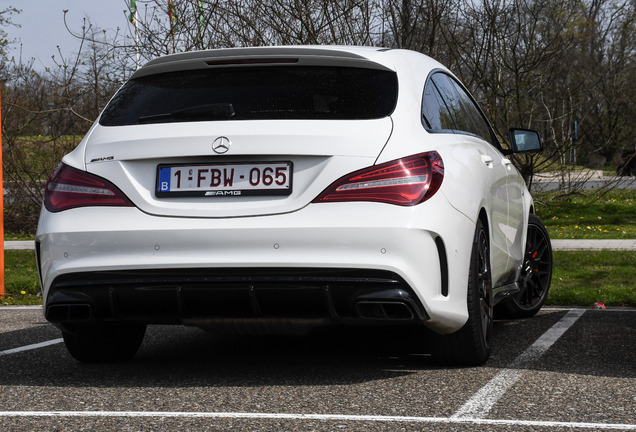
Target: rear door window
[474, 120]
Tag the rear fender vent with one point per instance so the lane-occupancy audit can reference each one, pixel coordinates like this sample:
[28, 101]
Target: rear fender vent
[443, 264]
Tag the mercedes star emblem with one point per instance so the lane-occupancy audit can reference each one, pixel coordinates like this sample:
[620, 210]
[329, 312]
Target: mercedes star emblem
[221, 145]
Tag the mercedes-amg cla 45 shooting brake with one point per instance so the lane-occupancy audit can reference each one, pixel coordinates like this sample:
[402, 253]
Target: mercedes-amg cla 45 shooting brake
[277, 188]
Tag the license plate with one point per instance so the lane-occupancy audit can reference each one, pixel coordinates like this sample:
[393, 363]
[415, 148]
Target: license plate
[219, 180]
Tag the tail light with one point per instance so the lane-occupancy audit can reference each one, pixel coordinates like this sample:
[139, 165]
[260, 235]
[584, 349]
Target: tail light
[406, 182]
[70, 188]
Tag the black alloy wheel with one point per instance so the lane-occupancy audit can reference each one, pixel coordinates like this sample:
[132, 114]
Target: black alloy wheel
[484, 284]
[470, 346]
[536, 274]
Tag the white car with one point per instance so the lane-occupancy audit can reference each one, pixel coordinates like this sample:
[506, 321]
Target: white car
[285, 188]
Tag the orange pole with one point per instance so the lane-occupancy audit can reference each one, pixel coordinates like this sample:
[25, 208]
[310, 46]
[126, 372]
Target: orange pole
[1, 211]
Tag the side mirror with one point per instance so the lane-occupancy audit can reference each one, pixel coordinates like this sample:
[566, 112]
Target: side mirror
[525, 141]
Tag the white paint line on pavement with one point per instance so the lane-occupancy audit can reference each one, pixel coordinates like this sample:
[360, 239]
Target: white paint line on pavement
[323, 417]
[482, 402]
[31, 347]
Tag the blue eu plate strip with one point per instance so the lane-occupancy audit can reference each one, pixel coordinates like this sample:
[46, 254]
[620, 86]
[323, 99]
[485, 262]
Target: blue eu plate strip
[164, 179]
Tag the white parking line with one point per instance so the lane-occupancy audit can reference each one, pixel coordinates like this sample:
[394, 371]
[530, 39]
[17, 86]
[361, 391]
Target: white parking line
[482, 402]
[323, 417]
[31, 347]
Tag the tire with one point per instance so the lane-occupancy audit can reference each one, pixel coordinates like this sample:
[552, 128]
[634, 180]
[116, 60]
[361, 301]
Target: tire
[104, 343]
[471, 345]
[535, 276]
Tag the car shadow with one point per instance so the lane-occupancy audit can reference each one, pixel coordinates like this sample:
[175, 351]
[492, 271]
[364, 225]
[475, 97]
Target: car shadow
[181, 356]
[173, 356]
[335, 356]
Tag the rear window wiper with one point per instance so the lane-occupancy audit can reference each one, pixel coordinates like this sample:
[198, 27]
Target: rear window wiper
[216, 111]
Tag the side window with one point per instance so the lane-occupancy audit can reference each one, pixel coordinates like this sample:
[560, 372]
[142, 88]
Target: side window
[451, 97]
[446, 99]
[434, 110]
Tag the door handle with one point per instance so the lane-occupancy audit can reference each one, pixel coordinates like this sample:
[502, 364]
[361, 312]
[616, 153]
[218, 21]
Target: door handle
[487, 160]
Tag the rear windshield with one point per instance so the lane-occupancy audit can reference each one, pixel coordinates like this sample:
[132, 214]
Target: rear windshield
[254, 93]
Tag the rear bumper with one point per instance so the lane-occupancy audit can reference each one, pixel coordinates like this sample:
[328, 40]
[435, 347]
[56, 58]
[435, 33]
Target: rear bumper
[315, 264]
[208, 297]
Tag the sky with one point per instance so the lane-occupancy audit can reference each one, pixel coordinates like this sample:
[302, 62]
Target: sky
[42, 25]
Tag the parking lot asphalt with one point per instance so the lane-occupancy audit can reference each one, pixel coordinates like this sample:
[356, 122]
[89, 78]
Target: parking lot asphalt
[565, 369]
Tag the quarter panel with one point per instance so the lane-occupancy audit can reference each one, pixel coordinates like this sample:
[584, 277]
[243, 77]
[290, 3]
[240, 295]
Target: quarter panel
[471, 184]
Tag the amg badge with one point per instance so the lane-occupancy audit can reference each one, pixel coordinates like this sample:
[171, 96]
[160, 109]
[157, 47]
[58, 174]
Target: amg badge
[223, 193]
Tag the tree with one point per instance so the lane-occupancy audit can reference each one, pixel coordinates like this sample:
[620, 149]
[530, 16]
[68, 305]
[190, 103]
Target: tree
[45, 114]
[5, 21]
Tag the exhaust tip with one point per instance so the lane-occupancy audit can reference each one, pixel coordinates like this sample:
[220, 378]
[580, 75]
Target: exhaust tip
[389, 305]
[62, 313]
[384, 310]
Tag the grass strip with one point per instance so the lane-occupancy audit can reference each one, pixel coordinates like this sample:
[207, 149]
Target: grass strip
[21, 283]
[611, 216]
[580, 278]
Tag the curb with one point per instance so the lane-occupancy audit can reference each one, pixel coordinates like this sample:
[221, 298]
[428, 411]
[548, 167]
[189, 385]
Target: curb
[17, 245]
[559, 245]
[591, 245]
